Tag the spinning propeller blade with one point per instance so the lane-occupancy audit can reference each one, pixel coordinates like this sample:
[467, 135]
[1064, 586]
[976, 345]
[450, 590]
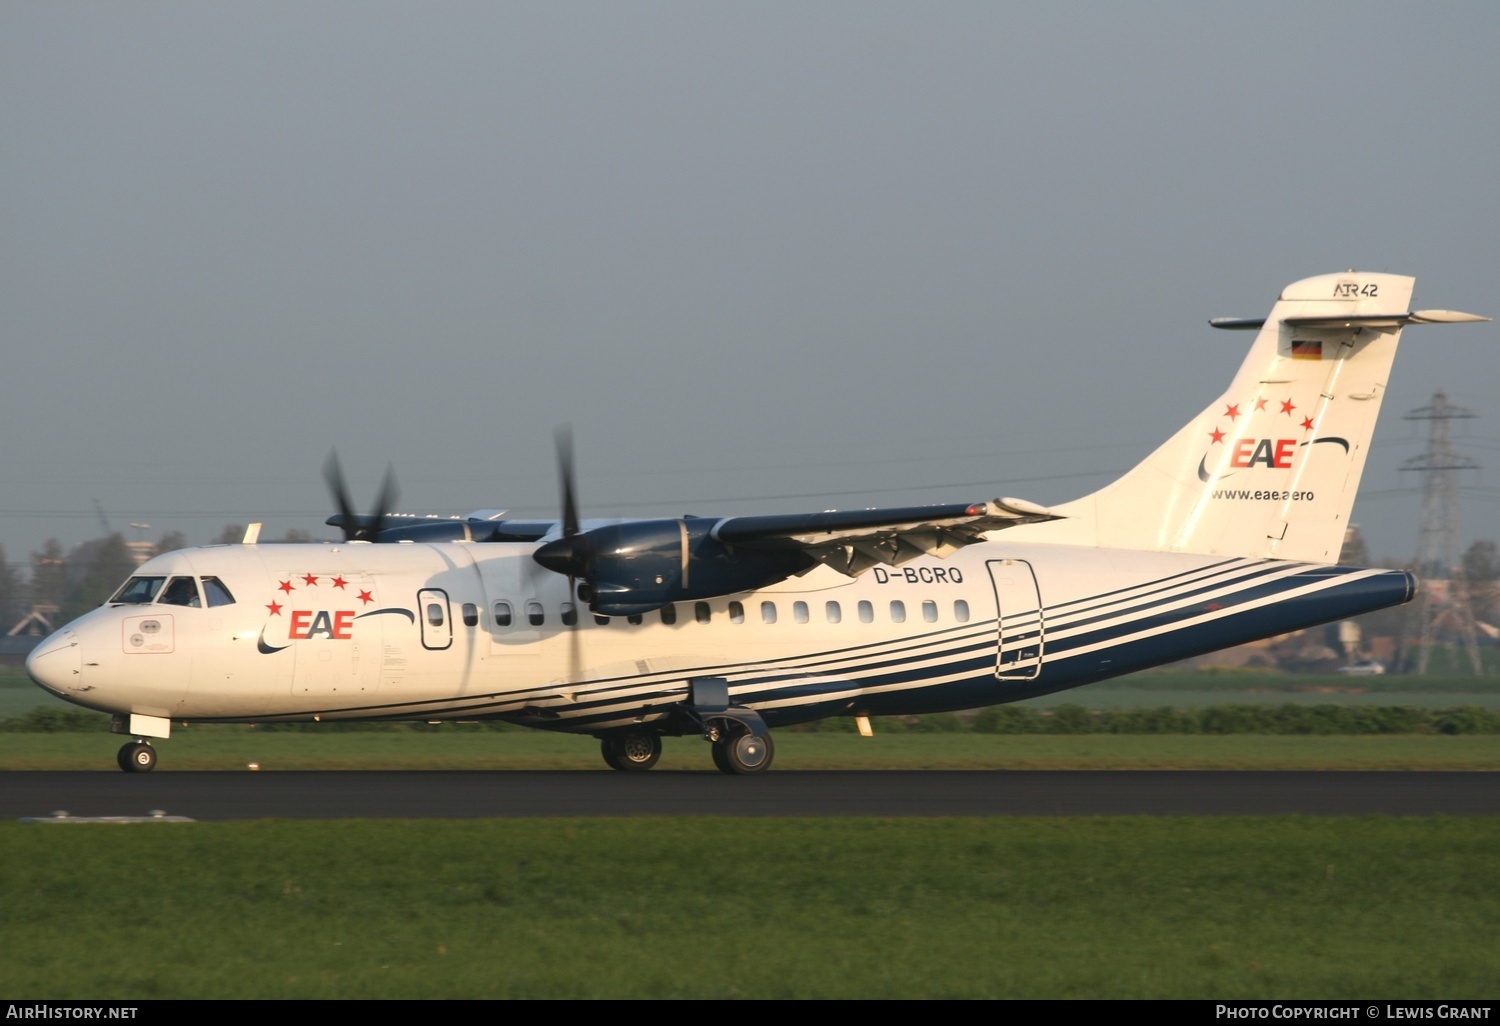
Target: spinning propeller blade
[571, 554]
[355, 527]
[576, 556]
[565, 473]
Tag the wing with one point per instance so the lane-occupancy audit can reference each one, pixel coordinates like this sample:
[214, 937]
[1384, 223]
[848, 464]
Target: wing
[852, 541]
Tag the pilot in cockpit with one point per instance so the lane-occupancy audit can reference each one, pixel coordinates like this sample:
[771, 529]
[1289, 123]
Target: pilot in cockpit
[181, 591]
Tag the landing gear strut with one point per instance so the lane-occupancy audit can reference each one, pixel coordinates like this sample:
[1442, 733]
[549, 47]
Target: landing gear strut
[741, 743]
[631, 751]
[137, 757]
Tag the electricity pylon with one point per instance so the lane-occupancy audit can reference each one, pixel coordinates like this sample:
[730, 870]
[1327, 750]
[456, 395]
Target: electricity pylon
[1442, 615]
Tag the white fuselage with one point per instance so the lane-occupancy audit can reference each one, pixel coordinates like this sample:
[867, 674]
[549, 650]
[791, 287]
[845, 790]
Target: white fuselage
[462, 631]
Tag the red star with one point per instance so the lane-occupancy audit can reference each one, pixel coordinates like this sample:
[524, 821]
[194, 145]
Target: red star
[286, 586]
[1287, 407]
[366, 597]
[275, 609]
[1307, 424]
[339, 582]
[1260, 404]
[1217, 436]
[1232, 412]
[310, 580]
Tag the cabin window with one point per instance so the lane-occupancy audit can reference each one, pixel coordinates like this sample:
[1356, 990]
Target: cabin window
[961, 610]
[669, 614]
[435, 615]
[138, 590]
[799, 612]
[215, 592]
[702, 613]
[471, 615]
[535, 615]
[180, 591]
[569, 614]
[736, 612]
[768, 612]
[898, 611]
[929, 611]
[833, 612]
[866, 611]
[634, 618]
[502, 614]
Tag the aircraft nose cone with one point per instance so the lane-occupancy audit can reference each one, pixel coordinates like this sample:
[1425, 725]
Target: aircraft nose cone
[57, 663]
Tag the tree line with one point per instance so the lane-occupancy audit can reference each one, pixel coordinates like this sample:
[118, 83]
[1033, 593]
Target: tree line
[63, 583]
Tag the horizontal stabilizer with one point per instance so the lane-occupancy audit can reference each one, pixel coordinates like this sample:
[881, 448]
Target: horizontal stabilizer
[1444, 317]
[1360, 321]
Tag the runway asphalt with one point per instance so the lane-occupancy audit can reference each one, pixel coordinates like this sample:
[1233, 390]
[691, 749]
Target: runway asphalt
[467, 795]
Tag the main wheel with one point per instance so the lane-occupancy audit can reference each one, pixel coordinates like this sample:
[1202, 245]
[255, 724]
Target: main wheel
[631, 751]
[137, 757]
[720, 760]
[744, 753]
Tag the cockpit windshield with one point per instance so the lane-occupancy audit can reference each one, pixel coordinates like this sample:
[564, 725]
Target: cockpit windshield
[218, 595]
[138, 590]
[181, 591]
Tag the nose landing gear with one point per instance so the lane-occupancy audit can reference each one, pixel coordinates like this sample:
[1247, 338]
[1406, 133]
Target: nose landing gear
[137, 757]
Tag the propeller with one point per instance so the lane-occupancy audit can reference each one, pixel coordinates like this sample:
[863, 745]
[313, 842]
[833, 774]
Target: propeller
[355, 526]
[571, 554]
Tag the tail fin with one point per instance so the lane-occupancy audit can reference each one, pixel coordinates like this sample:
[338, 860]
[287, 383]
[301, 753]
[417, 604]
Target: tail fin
[1271, 468]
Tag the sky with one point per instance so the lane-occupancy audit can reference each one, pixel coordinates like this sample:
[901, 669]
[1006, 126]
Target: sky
[763, 257]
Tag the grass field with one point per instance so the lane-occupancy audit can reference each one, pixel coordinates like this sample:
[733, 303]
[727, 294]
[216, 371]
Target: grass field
[717, 908]
[234, 748]
[720, 907]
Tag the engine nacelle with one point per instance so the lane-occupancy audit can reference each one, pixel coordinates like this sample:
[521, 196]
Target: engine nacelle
[643, 565]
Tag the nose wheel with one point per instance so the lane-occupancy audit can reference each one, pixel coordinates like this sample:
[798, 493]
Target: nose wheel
[137, 757]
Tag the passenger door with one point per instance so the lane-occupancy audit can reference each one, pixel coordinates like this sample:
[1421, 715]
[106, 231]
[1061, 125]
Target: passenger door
[1019, 619]
[436, 617]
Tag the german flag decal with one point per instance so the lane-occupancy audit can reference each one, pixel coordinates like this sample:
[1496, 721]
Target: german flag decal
[1307, 350]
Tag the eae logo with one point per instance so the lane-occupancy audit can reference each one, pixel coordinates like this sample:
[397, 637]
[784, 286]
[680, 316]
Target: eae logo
[335, 625]
[308, 623]
[1263, 452]
[1246, 446]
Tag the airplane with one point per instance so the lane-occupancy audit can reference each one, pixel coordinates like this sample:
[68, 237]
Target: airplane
[630, 631]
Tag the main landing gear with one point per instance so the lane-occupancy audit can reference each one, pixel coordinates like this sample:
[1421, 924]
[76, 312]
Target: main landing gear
[137, 757]
[631, 751]
[740, 752]
[741, 742]
[736, 750]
